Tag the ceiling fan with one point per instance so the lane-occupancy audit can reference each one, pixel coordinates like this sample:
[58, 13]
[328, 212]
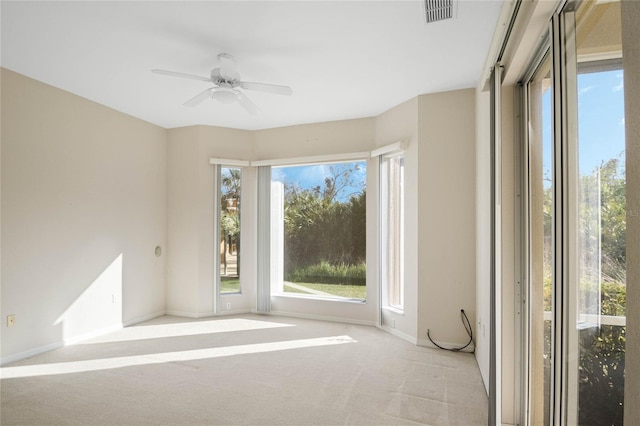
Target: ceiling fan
[227, 82]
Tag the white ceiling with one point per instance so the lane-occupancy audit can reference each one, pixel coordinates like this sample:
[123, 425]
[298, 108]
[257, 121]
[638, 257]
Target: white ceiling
[343, 59]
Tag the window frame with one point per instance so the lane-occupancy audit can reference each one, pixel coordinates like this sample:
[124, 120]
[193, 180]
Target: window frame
[385, 186]
[276, 285]
[219, 173]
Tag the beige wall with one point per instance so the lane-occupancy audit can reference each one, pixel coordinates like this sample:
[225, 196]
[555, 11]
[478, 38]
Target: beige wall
[631, 64]
[191, 217]
[333, 137]
[83, 207]
[446, 212]
[182, 224]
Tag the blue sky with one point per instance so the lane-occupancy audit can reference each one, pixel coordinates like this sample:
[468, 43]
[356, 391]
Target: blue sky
[600, 121]
[310, 176]
[600, 118]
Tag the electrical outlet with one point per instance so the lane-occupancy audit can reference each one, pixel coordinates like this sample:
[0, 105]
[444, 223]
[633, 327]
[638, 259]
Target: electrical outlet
[11, 320]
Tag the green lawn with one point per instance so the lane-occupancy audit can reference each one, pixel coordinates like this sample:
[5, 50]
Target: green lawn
[229, 285]
[232, 285]
[349, 291]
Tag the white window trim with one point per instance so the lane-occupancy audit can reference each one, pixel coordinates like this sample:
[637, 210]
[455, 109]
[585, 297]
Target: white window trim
[217, 234]
[389, 154]
[394, 148]
[338, 299]
[318, 159]
[393, 309]
[263, 234]
[229, 162]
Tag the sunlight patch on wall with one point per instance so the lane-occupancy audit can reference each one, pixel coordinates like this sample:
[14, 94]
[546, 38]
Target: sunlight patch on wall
[98, 308]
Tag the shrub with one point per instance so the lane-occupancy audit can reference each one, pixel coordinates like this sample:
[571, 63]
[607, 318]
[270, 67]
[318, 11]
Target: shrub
[327, 273]
[601, 362]
[613, 298]
[601, 375]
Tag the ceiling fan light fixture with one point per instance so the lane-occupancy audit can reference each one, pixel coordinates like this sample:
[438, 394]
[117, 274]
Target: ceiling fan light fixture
[225, 96]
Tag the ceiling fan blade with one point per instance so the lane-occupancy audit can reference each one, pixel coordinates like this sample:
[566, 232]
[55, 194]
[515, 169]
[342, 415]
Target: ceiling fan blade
[269, 88]
[228, 67]
[247, 104]
[199, 98]
[181, 74]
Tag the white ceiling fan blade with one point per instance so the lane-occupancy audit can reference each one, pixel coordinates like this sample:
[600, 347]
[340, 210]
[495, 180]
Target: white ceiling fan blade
[247, 104]
[228, 67]
[199, 97]
[269, 88]
[181, 74]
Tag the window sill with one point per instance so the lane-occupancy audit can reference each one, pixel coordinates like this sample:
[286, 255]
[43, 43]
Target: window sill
[394, 310]
[320, 298]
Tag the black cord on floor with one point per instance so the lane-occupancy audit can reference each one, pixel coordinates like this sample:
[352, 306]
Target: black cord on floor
[467, 327]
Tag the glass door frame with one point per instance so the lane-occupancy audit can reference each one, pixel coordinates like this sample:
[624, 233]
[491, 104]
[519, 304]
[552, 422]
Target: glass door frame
[560, 45]
[523, 226]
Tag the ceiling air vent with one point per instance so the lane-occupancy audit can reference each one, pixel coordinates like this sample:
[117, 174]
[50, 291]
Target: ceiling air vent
[438, 10]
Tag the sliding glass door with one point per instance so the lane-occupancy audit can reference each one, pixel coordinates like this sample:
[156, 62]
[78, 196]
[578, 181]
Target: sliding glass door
[576, 220]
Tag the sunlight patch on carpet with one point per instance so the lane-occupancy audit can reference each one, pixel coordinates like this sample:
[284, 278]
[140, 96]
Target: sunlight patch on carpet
[185, 329]
[167, 357]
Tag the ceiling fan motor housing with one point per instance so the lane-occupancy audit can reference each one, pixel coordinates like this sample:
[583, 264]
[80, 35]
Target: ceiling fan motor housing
[224, 81]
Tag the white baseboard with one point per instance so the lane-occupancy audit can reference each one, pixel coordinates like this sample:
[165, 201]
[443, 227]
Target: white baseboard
[111, 329]
[143, 318]
[30, 353]
[183, 314]
[92, 334]
[72, 340]
[234, 312]
[428, 344]
[195, 315]
[320, 318]
[425, 342]
[399, 334]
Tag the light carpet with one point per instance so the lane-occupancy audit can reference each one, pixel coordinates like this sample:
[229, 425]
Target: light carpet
[249, 370]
